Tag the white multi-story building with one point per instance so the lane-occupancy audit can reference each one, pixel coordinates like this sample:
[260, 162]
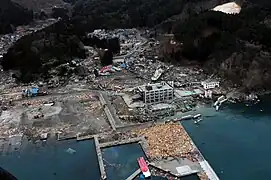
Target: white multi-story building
[157, 93]
[210, 85]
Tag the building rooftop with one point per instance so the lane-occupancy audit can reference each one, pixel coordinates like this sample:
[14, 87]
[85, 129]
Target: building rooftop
[155, 86]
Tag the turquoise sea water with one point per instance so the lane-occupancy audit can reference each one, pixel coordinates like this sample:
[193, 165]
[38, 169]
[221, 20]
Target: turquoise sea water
[52, 162]
[236, 140]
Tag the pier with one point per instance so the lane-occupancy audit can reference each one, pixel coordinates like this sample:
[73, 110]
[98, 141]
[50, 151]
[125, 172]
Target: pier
[134, 175]
[100, 157]
[117, 143]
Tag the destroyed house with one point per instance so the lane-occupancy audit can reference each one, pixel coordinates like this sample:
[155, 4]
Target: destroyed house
[157, 93]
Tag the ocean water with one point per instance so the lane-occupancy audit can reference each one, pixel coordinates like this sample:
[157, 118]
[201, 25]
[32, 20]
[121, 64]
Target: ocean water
[121, 161]
[52, 162]
[236, 140]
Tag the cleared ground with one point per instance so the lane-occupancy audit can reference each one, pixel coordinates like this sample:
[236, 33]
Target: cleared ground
[70, 114]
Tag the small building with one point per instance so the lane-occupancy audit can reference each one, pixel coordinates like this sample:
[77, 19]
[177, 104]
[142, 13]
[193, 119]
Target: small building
[210, 85]
[157, 92]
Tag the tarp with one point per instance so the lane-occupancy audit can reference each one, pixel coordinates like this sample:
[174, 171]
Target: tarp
[123, 65]
[34, 90]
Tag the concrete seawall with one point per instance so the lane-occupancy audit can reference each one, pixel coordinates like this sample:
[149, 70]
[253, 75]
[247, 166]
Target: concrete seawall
[107, 111]
[117, 143]
[110, 118]
[100, 158]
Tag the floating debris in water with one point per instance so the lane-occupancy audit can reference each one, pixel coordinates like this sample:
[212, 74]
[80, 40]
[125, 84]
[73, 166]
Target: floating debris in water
[71, 151]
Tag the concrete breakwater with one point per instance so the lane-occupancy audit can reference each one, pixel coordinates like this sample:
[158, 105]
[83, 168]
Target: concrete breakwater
[100, 157]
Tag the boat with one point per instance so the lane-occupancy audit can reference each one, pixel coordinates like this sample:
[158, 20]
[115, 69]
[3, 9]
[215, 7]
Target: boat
[224, 100]
[215, 104]
[197, 116]
[186, 117]
[157, 74]
[197, 121]
[144, 167]
[220, 100]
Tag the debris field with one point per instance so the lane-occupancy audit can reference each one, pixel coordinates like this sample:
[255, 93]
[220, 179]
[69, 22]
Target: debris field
[167, 140]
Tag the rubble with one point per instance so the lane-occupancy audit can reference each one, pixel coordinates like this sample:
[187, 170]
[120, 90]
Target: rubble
[70, 114]
[203, 176]
[167, 140]
[71, 151]
[72, 105]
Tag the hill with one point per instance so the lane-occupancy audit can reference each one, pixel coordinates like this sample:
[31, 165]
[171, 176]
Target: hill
[237, 47]
[12, 15]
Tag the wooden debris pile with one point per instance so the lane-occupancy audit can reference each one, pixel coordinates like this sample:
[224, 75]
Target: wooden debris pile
[203, 176]
[167, 140]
